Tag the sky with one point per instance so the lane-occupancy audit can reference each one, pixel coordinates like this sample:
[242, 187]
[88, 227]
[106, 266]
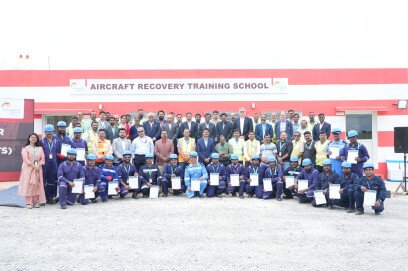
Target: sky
[211, 34]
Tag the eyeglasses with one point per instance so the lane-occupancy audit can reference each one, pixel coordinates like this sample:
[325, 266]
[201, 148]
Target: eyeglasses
[140, 131]
[297, 135]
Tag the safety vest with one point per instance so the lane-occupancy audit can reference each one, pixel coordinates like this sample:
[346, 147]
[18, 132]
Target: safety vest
[297, 148]
[90, 137]
[186, 148]
[102, 148]
[238, 147]
[321, 153]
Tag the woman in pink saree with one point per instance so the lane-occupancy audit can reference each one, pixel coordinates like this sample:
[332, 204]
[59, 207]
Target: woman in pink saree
[31, 184]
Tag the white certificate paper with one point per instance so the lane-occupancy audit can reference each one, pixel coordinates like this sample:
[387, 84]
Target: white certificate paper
[370, 197]
[112, 188]
[214, 179]
[64, 148]
[80, 154]
[176, 183]
[195, 185]
[88, 190]
[289, 181]
[320, 198]
[335, 151]
[267, 185]
[77, 189]
[303, 184]
[334, 191]
[352, 155]
[133, 182]
[154, 192]
[234, 178]
[254, 179]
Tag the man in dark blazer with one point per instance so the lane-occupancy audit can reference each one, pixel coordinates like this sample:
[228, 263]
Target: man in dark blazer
[190, 125]
[224, 128]
[205, 147]
[152, 127]
[172, 130]
[262, 129]
[322, 126]
[288, 126]
[207, 124]
[243, 123]
[112, 132]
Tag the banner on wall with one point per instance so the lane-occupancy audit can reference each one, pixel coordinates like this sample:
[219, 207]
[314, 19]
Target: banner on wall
[16, 123]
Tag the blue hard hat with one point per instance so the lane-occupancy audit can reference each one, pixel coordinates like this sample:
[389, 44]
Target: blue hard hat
[77, 130]
[173, 156]
[109, 157]
[127, 153]
[149, 155]
[215, 156]
[48, 128]
[91, 156]
[336, 131]
[234, 156]
[327, 162]
[271, 159]
[368, 165]
[255, 157]
[352, 133]
[72, 151]
[306, 162]
[193, 154]
[346, 164]
[294, 159]
[61, 124]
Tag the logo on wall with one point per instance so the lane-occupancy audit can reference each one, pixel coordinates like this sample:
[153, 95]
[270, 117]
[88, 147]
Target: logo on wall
[78, 85]
[12, 109]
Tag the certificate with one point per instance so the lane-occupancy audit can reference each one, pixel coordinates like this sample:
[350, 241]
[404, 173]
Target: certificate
[176, 183]
[195, 185]
[133, 182]
[320, 198]
[289, 181]
[77, 189]
[154, 192]
[234, 178]
[80, 154]
[334, 191]
[112, 188]
[267, 185]
[352, 155]
[254, 179]
[303, 184]
[370, 197]
[64, 148]
[215, 179]
[89, 193]
[335, 151]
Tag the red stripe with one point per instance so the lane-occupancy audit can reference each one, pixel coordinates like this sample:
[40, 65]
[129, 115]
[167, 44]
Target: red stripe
[385, 138]
[9, 176]
[382, 170]
[55, 78]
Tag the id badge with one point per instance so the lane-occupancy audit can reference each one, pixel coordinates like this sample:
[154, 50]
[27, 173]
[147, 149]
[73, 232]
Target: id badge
[280, 154]
[50, 156]
[150, 180]
[35, 163]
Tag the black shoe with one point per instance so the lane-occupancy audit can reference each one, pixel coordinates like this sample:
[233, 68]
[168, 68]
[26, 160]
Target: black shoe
[250, 195]
[63, 207]
[241, 196]
[279, 199]
[134, 196]
[42, 204]
[201, 196]
[164, 195]
[50, 202]
[359, 213]
[331, 207]
[78, 200]
[145, 196]
[350, 211]
[227, 193]
[219, 196]
[234, 194]
[377, 213]
[94, 200]
[56, 200]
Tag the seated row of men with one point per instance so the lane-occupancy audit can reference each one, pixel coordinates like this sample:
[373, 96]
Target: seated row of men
[265, 181]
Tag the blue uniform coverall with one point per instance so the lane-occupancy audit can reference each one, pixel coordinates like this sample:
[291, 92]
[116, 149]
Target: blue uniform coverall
[213, 190]
[67, 172]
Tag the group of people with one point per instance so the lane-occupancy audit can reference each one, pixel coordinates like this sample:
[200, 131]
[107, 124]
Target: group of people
[214, 157]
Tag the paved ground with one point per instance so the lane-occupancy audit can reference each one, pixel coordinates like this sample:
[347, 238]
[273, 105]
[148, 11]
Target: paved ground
[203, 234]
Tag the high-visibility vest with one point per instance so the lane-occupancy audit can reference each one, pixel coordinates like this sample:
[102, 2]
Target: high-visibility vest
[186, 148]
[90, 137]
[321, 153]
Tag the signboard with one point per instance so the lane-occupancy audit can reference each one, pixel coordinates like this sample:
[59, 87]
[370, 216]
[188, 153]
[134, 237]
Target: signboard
[11, 108]
[14, 129]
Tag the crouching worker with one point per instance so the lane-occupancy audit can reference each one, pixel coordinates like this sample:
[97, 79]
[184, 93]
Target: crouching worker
[327, 177]
[110, 176]
[150, 174]
[347, 181]
[126, 170]
[195, 171]
[216, 168]
[273, 172]
[254, 170]
[291, 171]
[238, 170]
[311, 175]
[366, 184]
[92, 177]
[170, 171]
[68, 171]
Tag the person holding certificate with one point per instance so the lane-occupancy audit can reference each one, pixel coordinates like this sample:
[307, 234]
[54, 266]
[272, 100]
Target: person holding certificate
[253, 177]
[355, 153]
[195, 172]
[80, 145]
[92, 178]
[289, 174]
[312, 176]
[110, 177]
[126, 170]
[217, 182]
[370, 186]
[173, 177]
[63, 142]
[274, 173]
[236, 170]
[326, 178]
[347, 181]
[68, 171]
[333, 151]
[150, 175]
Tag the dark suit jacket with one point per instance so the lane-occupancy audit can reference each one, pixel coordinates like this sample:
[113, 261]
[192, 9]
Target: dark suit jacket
[133, 132]
[205, 152]
[248, 126]
[227, 131]
[152, 131]
[111, 135]
[259, 132]
[193, 130]
[211, 127]
[173, 132]
[289, 129]
[325, 128]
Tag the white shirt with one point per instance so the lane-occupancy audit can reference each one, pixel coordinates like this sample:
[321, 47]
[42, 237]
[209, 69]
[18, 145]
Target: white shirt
[142, 145]
[283, 126]
[241, 124]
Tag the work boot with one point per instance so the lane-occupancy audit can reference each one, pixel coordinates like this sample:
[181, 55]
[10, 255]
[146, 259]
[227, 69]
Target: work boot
[219, 196]
[359, 213]
[331, 207]
[63, 207]
[279, 199]
[234, 194]
[241, 196]
[350, 211]
[94, 200]
[134, 196]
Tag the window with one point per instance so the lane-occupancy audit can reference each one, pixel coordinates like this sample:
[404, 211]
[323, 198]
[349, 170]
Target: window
[55, 119]
[362, 123]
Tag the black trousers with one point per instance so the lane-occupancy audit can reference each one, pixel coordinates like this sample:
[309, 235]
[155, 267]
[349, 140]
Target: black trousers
[138, 161]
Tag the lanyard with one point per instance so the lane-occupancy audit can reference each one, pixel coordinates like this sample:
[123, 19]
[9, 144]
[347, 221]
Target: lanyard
[310, 145]
[174, 169]
[255, 169]
[274, 172]
[281, 145]
[50, 145]
[369, 184]
[127, 169]
[215, 169]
